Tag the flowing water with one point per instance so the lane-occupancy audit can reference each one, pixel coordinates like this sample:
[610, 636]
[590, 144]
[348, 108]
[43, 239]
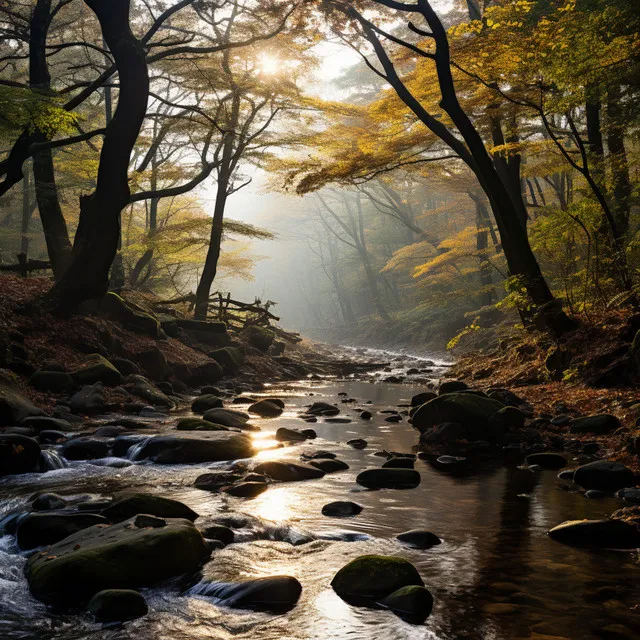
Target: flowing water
[495, 576]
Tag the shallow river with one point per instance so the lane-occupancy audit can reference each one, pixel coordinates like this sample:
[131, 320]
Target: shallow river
[495, 576]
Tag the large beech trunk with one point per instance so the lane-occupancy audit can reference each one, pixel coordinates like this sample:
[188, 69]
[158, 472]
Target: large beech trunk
[53, 222]
[96, 240]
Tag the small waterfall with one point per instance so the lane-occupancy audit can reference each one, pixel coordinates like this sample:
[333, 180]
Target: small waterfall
[50, 461]
[135, 450]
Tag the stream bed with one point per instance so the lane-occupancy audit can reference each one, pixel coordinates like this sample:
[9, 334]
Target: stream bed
[496, 575]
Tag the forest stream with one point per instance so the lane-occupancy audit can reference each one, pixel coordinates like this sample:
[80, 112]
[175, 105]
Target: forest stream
[496, 575]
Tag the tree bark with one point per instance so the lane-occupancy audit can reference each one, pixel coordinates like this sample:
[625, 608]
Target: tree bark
[53, 223]
[96, 240]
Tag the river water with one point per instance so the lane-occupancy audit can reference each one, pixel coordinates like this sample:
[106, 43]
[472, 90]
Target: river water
[496, 576]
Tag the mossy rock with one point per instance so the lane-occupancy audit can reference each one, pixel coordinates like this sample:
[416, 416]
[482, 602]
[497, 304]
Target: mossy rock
[54, 381]
[599, 424]
[604, 534]
[412, 603]
[131, 505]
[288, 471]
[139, 552]
[39, 529]
[130, 316]
[117, 605]
[14, 407]
[146, 390]
[370, 578]
[266, 408]
[260, 338]
[468, 409]
[97, 368]
[229, 358]
[198, 424]
[227, 417]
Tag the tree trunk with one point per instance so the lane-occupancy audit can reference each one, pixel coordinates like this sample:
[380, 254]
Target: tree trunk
[96, 240]
[621, 184]
[26, 214]
[53, 222]
[487, 291]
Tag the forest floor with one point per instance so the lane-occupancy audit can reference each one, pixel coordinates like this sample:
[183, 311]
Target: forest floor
[590, 371]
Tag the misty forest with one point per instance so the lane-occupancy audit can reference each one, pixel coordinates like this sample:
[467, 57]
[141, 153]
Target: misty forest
[319, 319]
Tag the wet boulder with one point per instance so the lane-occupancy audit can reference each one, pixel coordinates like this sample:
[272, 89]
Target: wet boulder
[248, 489]
[96, 368]
[198, 424]
[287, 471]
[290, 435]
[18, 454]
[421, 398]
[604, 475]
[117, 605]
[143, 388]
[40, 529]
[227, 417]
[130, 315]
[205, 402]
[554, 461]
[322, 409]
[329, 465]
[53, 381]
[217, 446]
[14, 407]
[40, 423]
[630, 494]
[371, 578]
[447, 433]
[215, 480]
[48, 502]
[260, 338]
[127, 555]
[412, 603]
[357, 443]
[122, 444]
[266, 409]
[389, 478]
[605, 534]
[274, 593]
[469, 410]
[85, 448]
[132, 505]
[341, 509]
[419, 538]
[599, 425]
[218, 532]
[398, 463]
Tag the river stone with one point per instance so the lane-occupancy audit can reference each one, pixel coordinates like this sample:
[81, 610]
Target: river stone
[598, 425]
[290, 435]
[198, 424]
[412, 603]
[248, 489]
[54, 381]
[122, 444]
[630, 494]
[341, 509]
[421, 398]
[131, 505]
[97, 368]
[129, 315]
[507, 418]
[398, 463]
[273, 593]
[266, 409]
[469, 410]
[259, 337]
[287, 471]
[607, 534]
[329, 465]
[117, 605]
[227, 417]
[366, 415]
[554, 461]
[389, 478]
[119, 556]
[452, 386]
[206, 402]
[49, 436]
[218, 532]
[39, 529]
[419, 538]
[217, 446]
[18, 454]
[14, 407]
[85, 448]
[370, 578]
[357, 443]
[48, 502]
[604, 475]
[323, 409]
[215, 480]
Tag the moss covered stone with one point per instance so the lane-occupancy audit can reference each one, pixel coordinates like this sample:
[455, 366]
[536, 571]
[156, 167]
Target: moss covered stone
[412, 603]
[374, 577]
[198, 424]
[97, 368]
[136, 503]
[229, 358]
[130, 316]
[117, 605]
